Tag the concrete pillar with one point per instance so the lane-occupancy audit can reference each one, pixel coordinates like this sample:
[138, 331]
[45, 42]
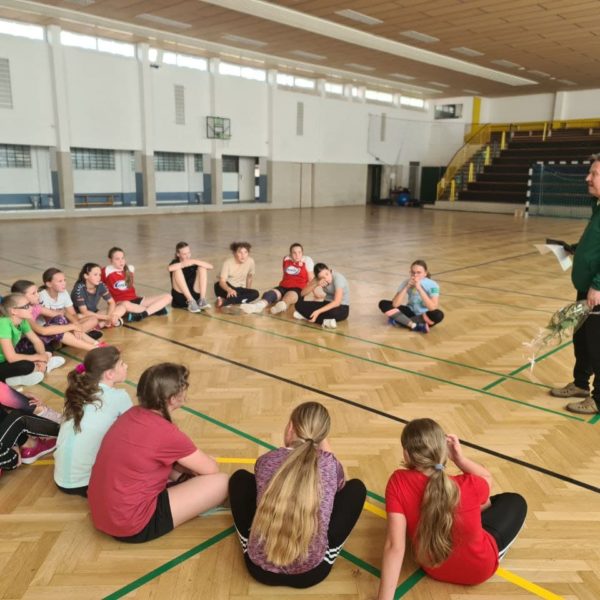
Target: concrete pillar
[145, 74]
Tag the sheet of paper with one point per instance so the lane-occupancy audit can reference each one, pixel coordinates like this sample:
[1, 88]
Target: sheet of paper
[563, 257]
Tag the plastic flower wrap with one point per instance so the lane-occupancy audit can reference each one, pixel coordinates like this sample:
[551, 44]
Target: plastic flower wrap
[563, 323]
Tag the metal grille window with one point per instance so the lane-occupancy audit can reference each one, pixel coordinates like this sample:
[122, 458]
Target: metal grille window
[15, 156]
[198, 166]
[93, 159]
[169, 161]
[230, 164]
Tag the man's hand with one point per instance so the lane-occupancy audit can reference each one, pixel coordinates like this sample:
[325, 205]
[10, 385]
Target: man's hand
[593, 297]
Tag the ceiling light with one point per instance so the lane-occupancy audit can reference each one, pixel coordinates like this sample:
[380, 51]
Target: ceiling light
[353, 15]
[243, 40]
[81, 2]
[360, 67]
[507, 63]
[444, 85]
[162, 21]
[466, 51]
[402, 76]
[420, 37]
[539, 73]
[308, 55]
[472, 92]
[566, 81]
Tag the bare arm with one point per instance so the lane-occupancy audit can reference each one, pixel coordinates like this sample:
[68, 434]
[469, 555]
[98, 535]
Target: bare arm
[337, 300]
[12, 356]
[199, 463]
[466, 465]
[393, 555]
[310, 288]
[400, 297]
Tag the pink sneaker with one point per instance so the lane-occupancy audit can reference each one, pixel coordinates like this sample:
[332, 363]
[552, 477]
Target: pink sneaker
[43, 446]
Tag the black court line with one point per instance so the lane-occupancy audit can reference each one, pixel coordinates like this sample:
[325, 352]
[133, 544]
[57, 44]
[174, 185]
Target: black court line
[516, 461]
[489, 262]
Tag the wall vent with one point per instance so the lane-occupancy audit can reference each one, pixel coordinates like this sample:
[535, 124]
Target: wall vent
[179, 105]
[300, 118]
[5, 87]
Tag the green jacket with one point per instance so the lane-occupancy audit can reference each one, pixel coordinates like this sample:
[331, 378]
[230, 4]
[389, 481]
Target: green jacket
[586, 262]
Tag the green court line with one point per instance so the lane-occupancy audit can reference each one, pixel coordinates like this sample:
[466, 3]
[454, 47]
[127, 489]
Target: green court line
[144, 579]
[403, 370]
[594, 419]
[526, 366]
[412, 352]
[361, 563]
[409, 584]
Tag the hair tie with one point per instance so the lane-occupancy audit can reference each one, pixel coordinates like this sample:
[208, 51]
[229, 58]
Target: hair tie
[80, 368]
[439, 467]
[309, 440]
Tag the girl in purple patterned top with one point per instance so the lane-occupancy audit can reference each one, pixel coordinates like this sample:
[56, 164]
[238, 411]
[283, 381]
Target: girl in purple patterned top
[295, 513]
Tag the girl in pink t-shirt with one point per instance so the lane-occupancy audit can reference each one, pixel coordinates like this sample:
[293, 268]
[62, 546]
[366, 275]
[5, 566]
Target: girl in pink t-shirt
[457, 530]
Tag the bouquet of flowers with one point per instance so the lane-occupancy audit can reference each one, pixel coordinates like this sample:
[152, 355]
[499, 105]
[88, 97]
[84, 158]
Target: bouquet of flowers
[563, 323]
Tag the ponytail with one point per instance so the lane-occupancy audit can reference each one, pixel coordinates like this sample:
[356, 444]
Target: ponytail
[287, 516]
[85, 270]
[84, 384]
[425, 444]
[47, 277]
[159, 383]
[126, 270]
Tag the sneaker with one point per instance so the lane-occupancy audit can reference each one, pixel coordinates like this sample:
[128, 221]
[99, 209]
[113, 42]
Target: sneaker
[585, 407]
[422, 328]
[393, 322]
[42, 447]
[298, 316]
[54, 363]
[31, 379]
[280, 307]
[51, 414]
[329, 324]
[95, 334]
[135, 317]
[202, 304]
[570, 391]
[162, 312]
[192, 306]
[248, 308]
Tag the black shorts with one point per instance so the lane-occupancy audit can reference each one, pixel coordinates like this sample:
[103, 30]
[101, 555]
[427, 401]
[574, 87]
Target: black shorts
[159, 524]
[180, 301]
[283, 290]
[78, 491]
[137, 300]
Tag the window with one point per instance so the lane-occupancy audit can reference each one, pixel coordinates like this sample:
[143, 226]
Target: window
[88, 42]
[67, 38]
[92, 159]
[234, 70]
[33, 32]
[113, 47]
[185, 60]
[231, 164]
[379, 96]
[198, 165]
[334, 88]
[448, 111]
[152, 55]
[169, 161]
[291, 81]
[414, 102]
[15, 157]
[354, 91]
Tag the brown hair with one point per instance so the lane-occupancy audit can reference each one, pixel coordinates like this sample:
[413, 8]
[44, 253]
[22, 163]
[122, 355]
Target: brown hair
[420, 263]
[128, 273]
[10, 301]
[159, 383]
[21, 286]
[178, 247]
[425, 444]
[48, 276]
[235, 246]
[296, 245]
[84, 387]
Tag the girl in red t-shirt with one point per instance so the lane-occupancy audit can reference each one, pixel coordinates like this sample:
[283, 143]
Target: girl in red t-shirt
[457, 530]
[118, 278]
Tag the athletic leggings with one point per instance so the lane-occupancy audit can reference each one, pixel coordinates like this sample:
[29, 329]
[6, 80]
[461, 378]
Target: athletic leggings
[347, 506]
[403, 314]
[243, 294]
[16, 369]
[504, 519]
[339, 313]
[15, 426]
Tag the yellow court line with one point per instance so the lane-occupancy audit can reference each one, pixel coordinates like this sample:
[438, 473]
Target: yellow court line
[527, 585]
[235, 461]
[504, 573]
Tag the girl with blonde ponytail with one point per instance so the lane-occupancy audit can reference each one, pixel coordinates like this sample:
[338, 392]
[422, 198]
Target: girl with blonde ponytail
[92, 405]
[295, 513]
[457, 530]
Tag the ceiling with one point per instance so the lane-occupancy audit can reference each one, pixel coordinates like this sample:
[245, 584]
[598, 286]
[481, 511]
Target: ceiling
[541, 45]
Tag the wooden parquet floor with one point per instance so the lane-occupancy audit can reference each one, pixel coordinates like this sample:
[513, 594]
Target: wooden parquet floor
[248, 371]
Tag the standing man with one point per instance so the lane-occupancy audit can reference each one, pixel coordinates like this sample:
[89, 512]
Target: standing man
[586, 279]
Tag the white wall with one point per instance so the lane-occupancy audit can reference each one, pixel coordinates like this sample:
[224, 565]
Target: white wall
[32, 180]
[583, 104]
[121, 179]
[31, 120]
[517, 109]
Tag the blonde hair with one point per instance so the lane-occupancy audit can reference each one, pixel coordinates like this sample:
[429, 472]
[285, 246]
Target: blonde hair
[287, 516]
[425, 444]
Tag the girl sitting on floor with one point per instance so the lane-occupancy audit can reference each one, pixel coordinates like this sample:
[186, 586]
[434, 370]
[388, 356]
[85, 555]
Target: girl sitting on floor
[295, 513]
[188, 279]
[457, 530]
[118, 278]
[92, 405]
[415, 304]
[235, 280]
[51, 326]
[335, 307]
[141, 454]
